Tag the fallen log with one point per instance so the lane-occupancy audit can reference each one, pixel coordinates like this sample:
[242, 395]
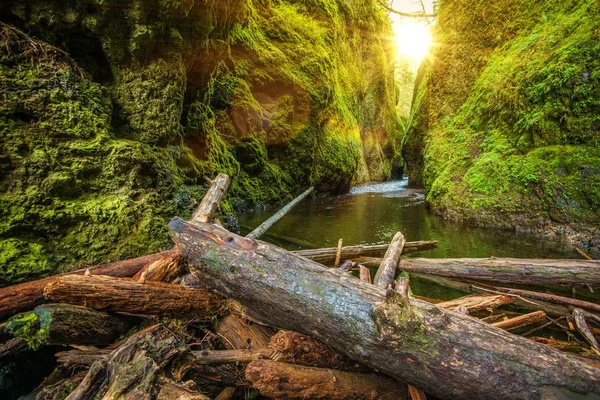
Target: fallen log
[55, 324]
[232, 356]
[12, 349]
[211, 200]
[520, 321]
[510, 270]
[238, 333]
[28, 295]
[327, 255]
[476, 302]
[387, 269]
[165, 269]
[289, 381]
[364, 273]
[296, 348]
[580, 318]
[127, 295]
[407, 339]
[262, 228]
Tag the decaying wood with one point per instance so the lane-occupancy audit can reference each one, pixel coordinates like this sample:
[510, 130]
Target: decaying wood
[476, 302]
[296, 348]
[416, 394]
[138, 369]
[327, 255]
[387, 269]
[211, 200]
[239, 333]
[581, 318]
[127, 295]
[510, 270]
[289, 381]
[338, 254]
[233, 356]
[12, 349]
[81, 357]
[347, 266]
[171, 391]
[50, 324]
[520, 321]
[25, 296]
[285, 290]
[365, 273]
[262, 228]
[226, 394]
[165, 269]
[550, 298]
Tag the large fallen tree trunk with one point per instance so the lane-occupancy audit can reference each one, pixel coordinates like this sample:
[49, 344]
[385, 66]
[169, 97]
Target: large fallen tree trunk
[408, 339]
[127, 295]
[327, 255]
[510, 270]
[28, 295]
[289, 381]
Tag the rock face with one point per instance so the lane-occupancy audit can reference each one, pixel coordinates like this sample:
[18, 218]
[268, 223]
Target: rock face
[506, 118]
[112, 112]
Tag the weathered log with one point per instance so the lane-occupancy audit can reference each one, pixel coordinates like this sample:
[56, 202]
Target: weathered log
[52, 324]
[387, 269]
[239, 333]
[289, 381]
[127, 295]
[580, 318]
[138, 369]
[421, 344]
[476, 302]
[520, 321]
[296, 348]
[81, 357]
[12, 349]
[233, 356]
[165, 269]
[364, 273]
[510, 270]
[28, 295]
[327, 255]
[211, 200]
[262, 228]
[338, 254]
[547, 297]
[171, 391]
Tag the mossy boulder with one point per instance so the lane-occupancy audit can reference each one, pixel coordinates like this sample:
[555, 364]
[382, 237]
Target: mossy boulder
[506, 129]
[113, 112]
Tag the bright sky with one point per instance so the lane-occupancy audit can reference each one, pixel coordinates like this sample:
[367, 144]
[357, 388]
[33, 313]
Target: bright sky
[412, 35]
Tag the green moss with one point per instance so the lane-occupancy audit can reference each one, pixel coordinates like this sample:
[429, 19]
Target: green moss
[511, 127]
[29, 327]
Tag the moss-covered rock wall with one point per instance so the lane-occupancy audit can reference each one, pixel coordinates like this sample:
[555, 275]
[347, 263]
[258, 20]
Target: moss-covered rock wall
[113, 112]
[505, 130]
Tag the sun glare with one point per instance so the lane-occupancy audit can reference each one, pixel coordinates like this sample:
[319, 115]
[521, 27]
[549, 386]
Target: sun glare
[413, 41]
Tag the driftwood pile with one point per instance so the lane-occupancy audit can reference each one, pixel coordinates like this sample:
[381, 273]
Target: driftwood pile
[221, 316]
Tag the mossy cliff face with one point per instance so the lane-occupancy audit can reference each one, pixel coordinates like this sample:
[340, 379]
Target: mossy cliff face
[506, 118]
[112, 112]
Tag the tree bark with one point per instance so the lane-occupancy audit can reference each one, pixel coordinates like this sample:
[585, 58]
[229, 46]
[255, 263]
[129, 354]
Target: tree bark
[127, 295]
[52, 324]
[407, 339]
[26, 296]
[327, 255]
[289, 381]
[510, 270]
[211, 200]
[520, 321]
[238, 333]
[262, 228]
[387, 269]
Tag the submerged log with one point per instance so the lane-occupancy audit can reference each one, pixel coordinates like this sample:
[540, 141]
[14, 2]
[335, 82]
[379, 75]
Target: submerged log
[25, 296]
[127, 295]
[407, 339]
[327, 255]
[387, 269]
[262, 228]
[510, 270]
[289, 381]
[51, 324]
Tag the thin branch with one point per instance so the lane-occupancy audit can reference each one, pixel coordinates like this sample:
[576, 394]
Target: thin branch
[404, 14]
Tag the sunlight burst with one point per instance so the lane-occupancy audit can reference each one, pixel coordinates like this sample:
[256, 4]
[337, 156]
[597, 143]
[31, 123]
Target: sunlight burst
[413, 41]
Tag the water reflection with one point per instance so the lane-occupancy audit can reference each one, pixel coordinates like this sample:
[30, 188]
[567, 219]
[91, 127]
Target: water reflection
[373, 213]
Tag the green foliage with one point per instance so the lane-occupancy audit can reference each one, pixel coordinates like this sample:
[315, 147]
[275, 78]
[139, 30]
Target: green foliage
[513, 126]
